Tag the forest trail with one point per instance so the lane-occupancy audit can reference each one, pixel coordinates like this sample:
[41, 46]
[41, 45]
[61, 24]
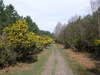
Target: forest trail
[56, 64]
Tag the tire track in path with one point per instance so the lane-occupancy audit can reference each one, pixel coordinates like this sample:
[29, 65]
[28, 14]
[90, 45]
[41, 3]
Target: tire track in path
[58, 68]
[49, 65]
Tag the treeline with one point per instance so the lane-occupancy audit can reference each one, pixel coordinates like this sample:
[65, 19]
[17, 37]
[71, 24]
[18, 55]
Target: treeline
[81, 34]
[20, 38]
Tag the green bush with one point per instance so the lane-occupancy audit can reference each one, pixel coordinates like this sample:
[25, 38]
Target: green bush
[66, 44]
[7, 54]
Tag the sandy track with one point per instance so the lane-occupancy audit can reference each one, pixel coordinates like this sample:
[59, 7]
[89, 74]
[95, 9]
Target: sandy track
[49, 65]
[58, 68]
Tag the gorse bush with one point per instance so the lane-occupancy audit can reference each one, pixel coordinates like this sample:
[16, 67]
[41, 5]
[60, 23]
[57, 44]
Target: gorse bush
[17, 43]
[97, 42]
[17, 36]
[7, 54]
[20, 37]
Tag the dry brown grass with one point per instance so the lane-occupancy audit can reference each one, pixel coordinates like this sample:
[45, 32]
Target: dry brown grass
[19, 67]
[82, 58]
[61, 46]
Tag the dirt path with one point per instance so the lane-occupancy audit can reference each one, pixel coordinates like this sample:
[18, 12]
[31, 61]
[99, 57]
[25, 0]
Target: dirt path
[49, 65]
[56, 64]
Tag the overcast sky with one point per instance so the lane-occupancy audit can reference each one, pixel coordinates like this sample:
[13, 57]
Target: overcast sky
[46, 13]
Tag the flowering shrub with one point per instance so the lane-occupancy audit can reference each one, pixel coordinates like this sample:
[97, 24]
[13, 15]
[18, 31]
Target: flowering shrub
[21, 43]
[97, 42]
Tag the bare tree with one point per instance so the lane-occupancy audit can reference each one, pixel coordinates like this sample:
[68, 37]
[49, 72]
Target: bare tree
[95, 4]
[57, 30]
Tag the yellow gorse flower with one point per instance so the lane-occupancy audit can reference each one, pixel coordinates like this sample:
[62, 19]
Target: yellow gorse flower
[97, 42]
[19, 33]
